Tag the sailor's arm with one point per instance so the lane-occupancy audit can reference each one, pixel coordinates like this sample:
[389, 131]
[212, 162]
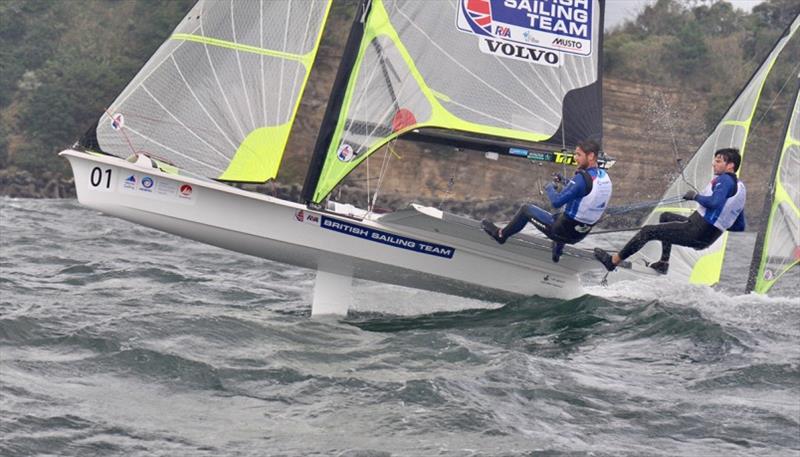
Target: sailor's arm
[718, 195]
[575, 189]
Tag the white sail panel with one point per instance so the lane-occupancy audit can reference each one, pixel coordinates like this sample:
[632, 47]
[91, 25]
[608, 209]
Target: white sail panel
[417, 69]
[218, 98]
[781, 250]
[704, 266]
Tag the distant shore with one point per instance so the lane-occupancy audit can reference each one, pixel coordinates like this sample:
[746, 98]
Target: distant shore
[24, 184]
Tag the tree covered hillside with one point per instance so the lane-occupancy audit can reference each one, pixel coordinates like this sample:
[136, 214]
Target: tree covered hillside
[63, 62]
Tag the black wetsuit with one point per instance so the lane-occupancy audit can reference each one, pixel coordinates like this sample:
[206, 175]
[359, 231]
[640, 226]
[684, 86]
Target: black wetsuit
[692, 231]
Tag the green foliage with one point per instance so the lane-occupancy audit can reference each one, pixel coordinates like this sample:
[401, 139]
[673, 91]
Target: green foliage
[63, 62]
[675, 43]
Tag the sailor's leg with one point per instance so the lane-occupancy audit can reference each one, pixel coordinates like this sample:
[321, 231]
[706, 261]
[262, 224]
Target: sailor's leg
[540, 218]
[666, 245]
[670, 232]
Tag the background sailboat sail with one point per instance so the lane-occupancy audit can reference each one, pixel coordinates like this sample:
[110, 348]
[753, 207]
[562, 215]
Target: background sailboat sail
[479, 67]
[218, 98]
[704, 266]
[778, 246]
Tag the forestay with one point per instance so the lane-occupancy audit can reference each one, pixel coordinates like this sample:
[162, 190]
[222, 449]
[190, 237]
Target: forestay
[704, 266]
[492, 68]
[781, 239]
[218, 98]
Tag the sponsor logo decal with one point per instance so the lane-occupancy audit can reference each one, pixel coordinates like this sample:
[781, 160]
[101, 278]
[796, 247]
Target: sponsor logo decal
[117, 121]
[379, 236]
[768, 275]
[130, 182]
[553, 26]
[147, 182]
[519, 52]
[567, 159]
[518, 152]
[185, 190]
[345, 153]
[309, 218]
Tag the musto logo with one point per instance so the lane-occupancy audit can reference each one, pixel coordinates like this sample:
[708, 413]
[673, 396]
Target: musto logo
[567, 44]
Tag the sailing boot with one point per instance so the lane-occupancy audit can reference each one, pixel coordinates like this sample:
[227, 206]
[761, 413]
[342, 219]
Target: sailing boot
[558, 249]
[660, 266]
[493, 231]
[604, 258]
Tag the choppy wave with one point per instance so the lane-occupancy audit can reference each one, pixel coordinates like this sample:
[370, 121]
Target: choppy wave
[118, 340]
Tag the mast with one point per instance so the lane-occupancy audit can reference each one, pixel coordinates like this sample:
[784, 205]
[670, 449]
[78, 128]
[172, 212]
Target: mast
[478, 83]
[766, 215]
[732, 130]
[335, 100]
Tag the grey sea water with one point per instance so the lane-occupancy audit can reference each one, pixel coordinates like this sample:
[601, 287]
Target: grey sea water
[120, 340]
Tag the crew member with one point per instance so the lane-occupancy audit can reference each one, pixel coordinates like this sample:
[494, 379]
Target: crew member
[721, 207]
[585, 198]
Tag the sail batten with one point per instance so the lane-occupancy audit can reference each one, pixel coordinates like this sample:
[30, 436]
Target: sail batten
[220, 95]
[732, 131]
[777, 248]
[483, 74]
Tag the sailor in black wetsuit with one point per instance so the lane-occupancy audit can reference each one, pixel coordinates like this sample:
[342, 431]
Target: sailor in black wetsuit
[586, 197]
[721, 208]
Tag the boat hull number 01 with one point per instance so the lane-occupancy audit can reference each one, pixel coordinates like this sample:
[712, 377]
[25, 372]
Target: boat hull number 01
[100, 178]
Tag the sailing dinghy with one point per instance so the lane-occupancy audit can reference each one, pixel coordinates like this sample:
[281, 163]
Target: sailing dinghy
[732, 131]
[215, 105]
[777, 249]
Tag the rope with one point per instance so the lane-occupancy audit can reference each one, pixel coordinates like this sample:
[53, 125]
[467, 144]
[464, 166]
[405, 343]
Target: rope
[616, 210]
[384, 167]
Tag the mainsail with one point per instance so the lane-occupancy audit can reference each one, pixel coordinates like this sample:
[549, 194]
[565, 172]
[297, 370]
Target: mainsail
[219, 97]
[704, 267]
[778, 246]
[478, 68]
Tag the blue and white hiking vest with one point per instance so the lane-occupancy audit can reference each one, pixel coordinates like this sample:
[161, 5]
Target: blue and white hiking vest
[723, 218]
[589, 209]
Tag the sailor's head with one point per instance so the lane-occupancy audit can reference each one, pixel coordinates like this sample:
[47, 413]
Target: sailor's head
[586, 154]
[726, 160]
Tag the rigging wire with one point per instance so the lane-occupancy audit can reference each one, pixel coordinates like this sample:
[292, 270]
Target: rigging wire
[792, 75]
[671, 127]
[388, 153]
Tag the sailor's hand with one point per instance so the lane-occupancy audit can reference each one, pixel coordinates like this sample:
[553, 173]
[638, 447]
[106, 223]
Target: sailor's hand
[558, 178]
[690, 195]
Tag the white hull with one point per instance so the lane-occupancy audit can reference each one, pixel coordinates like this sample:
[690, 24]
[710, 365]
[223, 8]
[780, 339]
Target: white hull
[419, 247]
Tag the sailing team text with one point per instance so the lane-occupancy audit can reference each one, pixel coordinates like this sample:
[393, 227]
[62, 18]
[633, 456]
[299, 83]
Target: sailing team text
[387, 238]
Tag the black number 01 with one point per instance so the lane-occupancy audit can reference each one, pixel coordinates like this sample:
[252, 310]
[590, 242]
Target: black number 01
[96, 177]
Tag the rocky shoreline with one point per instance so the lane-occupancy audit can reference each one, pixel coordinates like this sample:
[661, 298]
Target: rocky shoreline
[23, 184]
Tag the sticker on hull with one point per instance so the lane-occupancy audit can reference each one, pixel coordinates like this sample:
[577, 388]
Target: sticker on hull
[379, 236]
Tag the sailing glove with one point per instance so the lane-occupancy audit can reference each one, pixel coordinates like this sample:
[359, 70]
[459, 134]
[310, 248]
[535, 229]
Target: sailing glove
[690, 195]
[558, 178]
